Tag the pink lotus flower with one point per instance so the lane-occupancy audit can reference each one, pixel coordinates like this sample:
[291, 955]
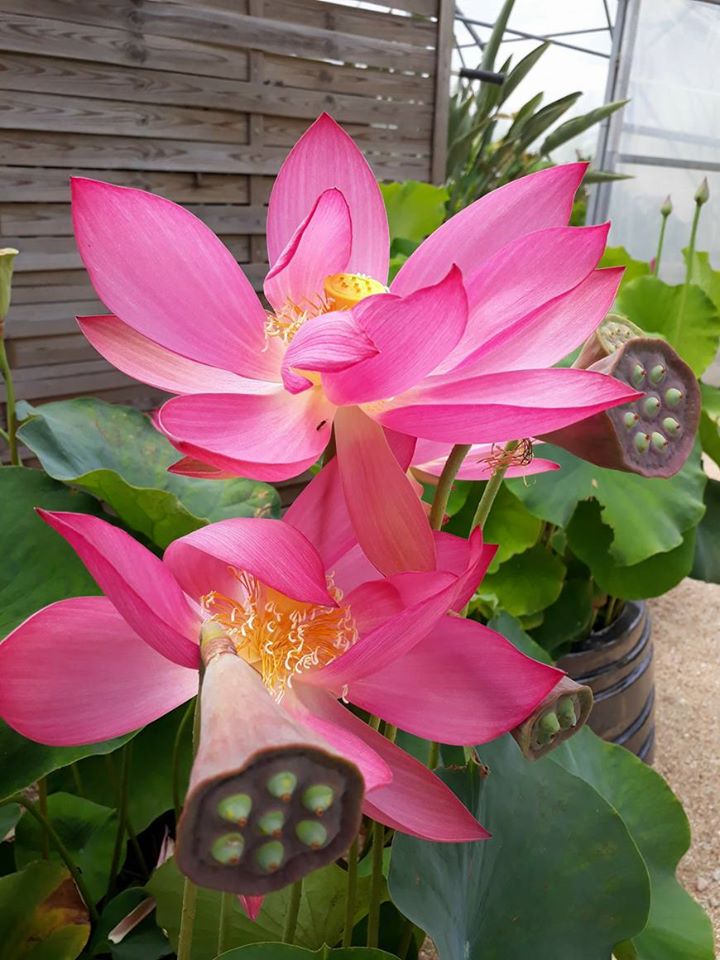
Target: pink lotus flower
[88, 668]
[460, 349]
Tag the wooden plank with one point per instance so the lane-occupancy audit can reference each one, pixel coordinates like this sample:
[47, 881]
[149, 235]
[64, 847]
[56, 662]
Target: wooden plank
[231, 30]
[55, 76]
[42, 383]
[355, 21]
[47, 185]
[41, 293]
[421, 8]
[342, 78]
[54, 220]
[42, 278]
[36, 351]
[446, 27]
[43, 111]
[88, 151]
[283, 132]
[64, 308]
[34, 33]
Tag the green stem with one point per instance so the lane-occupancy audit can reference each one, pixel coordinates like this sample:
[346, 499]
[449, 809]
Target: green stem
[4, 435]
[77, 779]
[292, 913]
[43, 808]
[434, 755]
[690, 258]
[661, 241]
[493, 487]
[351, 893]
[406, 939]
[62, 852]
[177, 802]
[224, 921]
[122, 813]
[445, 483]
[189, 898]
[378, 846]
[9, 405]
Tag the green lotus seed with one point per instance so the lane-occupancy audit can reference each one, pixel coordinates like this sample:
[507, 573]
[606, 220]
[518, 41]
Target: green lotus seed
[270, 856]
[318, 798]
[630, 419]
[271, 823]
[638, 375]
[235, 808]
[671, 426]
[549, 724]
[651, 406]
[659, 441]
[641, 442]
[311, 833]
[673, 396]
[228, 849]
[282, 785]
[566, 713]
[657, 373]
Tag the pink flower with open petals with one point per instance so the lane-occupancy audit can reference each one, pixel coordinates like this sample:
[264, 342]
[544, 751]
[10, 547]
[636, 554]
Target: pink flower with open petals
[88, 668]
[460, 349]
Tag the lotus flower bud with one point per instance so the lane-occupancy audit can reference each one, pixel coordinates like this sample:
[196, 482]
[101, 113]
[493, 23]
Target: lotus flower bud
[667, 208]
[561, 714]
[652, 436]
[7, 258]
[702, 194]
[269, 800]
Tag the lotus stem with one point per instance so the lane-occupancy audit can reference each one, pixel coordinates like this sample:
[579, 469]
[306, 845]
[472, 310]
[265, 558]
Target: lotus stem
[351, 893]
[445, 483]
[122, 812]
[665, 211]
[433, 755]
[292, 913]
[378, 847]
[63, 853]
[43, 808]
[182, 726]
[11, 416]
[405, 940]
[701, 196]
[493, 486]
[224, 921]
[189, 898]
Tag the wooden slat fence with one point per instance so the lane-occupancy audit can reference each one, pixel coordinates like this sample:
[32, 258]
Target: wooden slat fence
[198, 100]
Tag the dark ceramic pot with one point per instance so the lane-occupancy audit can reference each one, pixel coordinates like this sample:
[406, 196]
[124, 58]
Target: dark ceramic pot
[617, 664]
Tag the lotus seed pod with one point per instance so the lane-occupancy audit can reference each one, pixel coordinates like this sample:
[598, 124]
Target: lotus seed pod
[271, 823]
[612, 333]
[256, 763]
[568, 704]
[630, 437]
[312, 833]
[7, 259]
[235, 808]
[318, 798]
[228, 849]
[282, 785]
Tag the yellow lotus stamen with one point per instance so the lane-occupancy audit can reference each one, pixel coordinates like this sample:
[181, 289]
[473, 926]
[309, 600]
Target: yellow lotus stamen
[345, 290]
[278, 636]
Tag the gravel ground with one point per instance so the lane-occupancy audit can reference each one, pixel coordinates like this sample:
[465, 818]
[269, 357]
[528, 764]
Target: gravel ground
[686, 634]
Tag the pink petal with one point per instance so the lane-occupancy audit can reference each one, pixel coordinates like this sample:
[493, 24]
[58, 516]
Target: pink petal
[187, 467]
[521, 277]
[388, 518]
[540, 200]
[273, 551]
[415, 801]
[546, 335]
[264, 430]
[326, 157]
[462, 684]
[321, 514]
[431, 457]
[137, 583]
[317, 710]
[75, 672]
[223, 467]
[412, 334]
[163, 272]
[251, 905]
[514, 404]
[147, 361]
[319, 247]
[479, 557]
[328, 343]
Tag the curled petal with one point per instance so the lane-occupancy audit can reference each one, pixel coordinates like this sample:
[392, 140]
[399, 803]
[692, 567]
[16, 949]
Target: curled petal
[329, 343]
[75, 672]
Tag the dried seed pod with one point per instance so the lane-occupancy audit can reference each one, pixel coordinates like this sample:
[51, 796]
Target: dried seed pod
[561, 714]
[652, 436]
[269, 800]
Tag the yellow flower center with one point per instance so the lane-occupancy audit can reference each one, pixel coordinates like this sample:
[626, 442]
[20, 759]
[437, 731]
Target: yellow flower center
[278, 636]
[341, 291]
